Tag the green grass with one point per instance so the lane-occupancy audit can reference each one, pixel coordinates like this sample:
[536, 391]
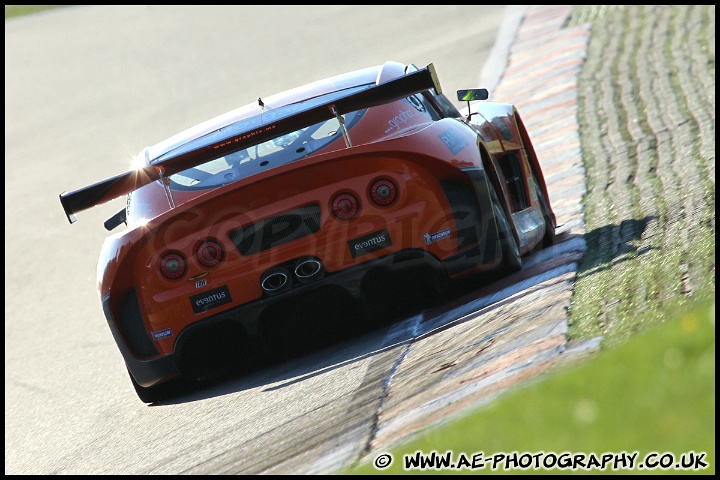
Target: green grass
[655, 262]
[12, 11]
[655, 393]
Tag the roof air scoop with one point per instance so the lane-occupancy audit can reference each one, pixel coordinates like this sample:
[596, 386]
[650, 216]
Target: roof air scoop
[389, 71]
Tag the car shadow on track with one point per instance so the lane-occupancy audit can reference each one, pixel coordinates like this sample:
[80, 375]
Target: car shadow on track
[409, 315]
[415, 316]
[422, 312]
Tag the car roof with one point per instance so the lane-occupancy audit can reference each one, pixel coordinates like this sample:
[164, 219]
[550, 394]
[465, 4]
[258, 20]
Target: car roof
[369, 75]
[236, 130]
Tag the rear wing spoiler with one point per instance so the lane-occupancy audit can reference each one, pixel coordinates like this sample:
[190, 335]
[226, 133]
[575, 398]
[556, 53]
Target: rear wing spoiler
[247, 133]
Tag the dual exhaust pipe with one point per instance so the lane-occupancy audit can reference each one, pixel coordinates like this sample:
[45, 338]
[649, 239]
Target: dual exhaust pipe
[279, 279]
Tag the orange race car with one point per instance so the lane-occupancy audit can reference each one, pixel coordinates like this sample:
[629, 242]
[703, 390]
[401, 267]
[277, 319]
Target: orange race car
[318, 202]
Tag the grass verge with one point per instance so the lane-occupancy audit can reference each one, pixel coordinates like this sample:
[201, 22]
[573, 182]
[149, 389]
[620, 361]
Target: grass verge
[12, 11]
[653, 394]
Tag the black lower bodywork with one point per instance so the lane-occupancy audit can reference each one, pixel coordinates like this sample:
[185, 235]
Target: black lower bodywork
[308, 314]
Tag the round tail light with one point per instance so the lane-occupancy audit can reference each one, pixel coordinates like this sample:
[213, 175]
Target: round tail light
[345, 206]
[383, 192]
[209, 253]
[173, 265]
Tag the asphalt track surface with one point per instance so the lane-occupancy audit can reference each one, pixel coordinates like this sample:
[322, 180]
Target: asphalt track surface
[87, 88]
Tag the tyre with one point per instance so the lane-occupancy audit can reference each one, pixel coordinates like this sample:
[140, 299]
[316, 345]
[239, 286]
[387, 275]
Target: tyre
[549, 237]
[511, 259]
[157, 393]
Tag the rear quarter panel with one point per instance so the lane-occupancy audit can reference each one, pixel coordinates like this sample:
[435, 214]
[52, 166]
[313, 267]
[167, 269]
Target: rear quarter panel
[414, 160]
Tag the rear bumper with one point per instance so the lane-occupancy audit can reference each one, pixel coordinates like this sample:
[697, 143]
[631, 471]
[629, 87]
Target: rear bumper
[247, 328]
[245, 325]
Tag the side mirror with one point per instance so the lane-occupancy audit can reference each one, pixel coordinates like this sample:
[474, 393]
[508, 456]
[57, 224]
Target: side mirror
[471, 95]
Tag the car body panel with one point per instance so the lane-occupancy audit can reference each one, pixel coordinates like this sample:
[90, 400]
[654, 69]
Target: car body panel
[315, 193]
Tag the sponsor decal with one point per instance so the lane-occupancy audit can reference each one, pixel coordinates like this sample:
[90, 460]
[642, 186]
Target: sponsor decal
[399, 119]
[454, 141]
[369, 243]
[162, 334]
[416, 102]
[434, 237]
[244, 136]
[210, 299]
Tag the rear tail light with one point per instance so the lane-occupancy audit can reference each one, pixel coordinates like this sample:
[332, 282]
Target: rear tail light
[383, 192]
[210, 253]
[345, 206]
[173, 265]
